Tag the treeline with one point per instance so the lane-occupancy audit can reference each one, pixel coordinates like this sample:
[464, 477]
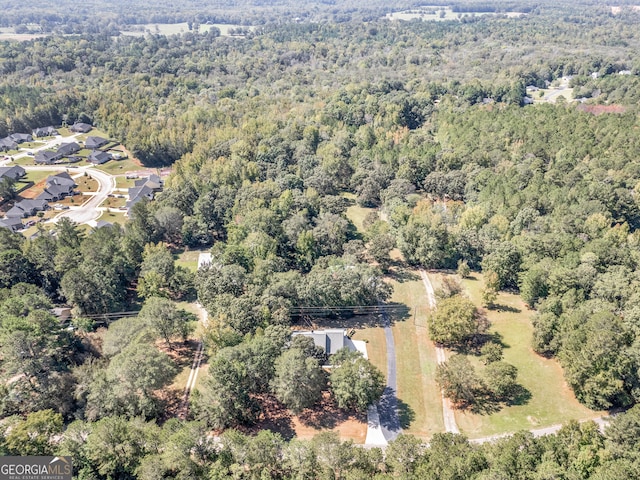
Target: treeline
[118, 448]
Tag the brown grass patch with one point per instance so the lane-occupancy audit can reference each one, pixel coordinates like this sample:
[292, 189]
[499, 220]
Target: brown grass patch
[326, 416]
[600, 109]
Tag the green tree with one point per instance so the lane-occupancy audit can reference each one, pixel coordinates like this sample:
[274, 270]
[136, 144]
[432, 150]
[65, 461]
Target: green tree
[7, 188]
[34, 435]
[500, 379]
[165, 319]
[505, 261]
[454, 321]
[299, 380]
[459, 381]
[355, 382]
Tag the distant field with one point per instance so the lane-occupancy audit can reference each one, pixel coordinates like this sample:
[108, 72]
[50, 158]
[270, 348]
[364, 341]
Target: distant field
[178, 28]
[552, 402]
[440, 14]
[9, 33]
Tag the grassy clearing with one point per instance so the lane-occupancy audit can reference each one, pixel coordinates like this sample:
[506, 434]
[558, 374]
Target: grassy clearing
[376, 346]
[552, 401]
[113, 217]
[416, 357]
[188, 259]
[357, 214]
[26, 160]
[37, 176]
[116, 167]
[113, 202]
[122, 182]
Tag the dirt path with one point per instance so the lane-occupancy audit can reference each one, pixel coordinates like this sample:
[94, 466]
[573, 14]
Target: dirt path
[203, 316]
[450, 424]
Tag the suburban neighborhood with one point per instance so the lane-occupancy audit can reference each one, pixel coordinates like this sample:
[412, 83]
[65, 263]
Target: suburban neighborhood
[69, 160]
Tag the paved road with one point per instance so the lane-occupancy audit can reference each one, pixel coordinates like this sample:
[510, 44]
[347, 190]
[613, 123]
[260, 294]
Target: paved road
[448, 415]
[53, 143]
[388, 405]
[90, 210]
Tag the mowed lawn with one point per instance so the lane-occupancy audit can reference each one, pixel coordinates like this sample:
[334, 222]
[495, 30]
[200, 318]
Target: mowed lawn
[552, 401]
[189, 259]
[416, 357]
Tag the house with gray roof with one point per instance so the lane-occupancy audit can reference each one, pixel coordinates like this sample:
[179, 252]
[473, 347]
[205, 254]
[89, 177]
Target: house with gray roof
[62, 178]
[144, 188]
[7, 144]
[95, 142]
[21, 137]
[98, 158]
[46, 157]
[45, 132]
[81, 128]
[67, 149]
[331, 340]
[26, 208]
[15, 172]
[13, 224]
[57, 186]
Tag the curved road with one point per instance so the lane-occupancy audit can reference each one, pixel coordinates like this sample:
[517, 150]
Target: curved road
[90, 210]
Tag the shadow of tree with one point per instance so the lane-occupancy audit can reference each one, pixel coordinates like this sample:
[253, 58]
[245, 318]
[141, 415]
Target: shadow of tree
[406, 414]
[485, 401]
[505, 308]
[401, 274]
[519, 396]
[397, 312]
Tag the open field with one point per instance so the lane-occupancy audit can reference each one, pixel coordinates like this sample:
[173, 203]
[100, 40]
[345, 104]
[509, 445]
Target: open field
[86, 183]
[357, 214]
[552, 402]
[178, 28]
[37, 176]
[436, 13]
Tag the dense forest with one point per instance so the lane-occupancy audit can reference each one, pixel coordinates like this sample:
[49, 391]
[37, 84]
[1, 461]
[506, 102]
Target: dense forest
[427, 121]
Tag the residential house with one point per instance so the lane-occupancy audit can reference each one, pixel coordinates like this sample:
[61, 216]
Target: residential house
[154, 182]
[26, 208]
[21, 137]
[95, 142]
[16, 172]
[46, 157]
[67, 149]
[45, 132]
[57, 186]
[98, 158]
[330, 340]
[11, 223]
[7, 144]
[80, 128]
[144, 188]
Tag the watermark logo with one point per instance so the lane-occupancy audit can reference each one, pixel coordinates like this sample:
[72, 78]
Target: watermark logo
[35, 468]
